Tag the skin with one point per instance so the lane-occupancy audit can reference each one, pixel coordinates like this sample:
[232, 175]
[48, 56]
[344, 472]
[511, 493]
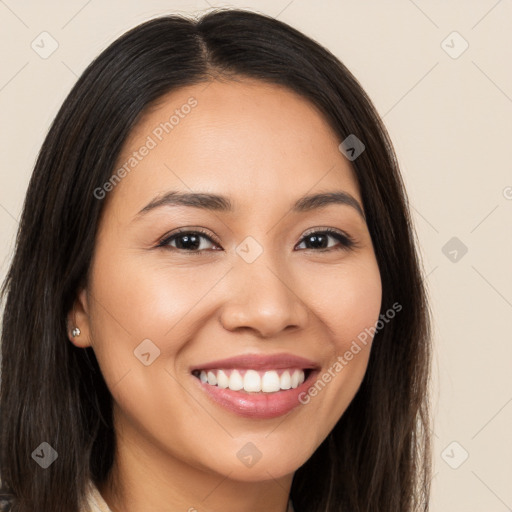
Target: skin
[264, 147]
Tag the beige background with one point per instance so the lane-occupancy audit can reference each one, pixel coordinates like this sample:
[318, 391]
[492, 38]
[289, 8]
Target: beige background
[450, 117]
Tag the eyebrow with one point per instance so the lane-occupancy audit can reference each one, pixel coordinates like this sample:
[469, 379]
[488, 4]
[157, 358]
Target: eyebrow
[219, 203]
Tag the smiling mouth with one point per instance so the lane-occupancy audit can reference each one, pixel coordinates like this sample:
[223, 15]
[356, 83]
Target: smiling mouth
[256, 386]
[253, 381]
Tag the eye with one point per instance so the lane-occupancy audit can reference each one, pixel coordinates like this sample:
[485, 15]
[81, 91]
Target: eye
[318, 240]
[190, 241]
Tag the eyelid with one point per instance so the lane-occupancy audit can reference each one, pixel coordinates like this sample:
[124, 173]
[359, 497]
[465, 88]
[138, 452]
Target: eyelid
[328, 230]
[348, 241]
[192, 229]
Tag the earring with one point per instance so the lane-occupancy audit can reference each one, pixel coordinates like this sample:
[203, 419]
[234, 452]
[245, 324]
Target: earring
[75, 332]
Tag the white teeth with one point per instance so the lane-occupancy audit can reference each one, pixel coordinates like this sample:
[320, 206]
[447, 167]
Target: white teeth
[286, 381]
[270, 382]
[236, 383]
[253, 381]
[222, 379]
[295, 379]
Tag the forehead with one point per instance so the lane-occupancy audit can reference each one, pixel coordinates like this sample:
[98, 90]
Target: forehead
[256, 142]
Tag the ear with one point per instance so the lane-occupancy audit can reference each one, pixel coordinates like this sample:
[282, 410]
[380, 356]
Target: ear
[79, 317]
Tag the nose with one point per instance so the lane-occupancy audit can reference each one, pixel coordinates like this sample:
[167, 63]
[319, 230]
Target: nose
[261, 300]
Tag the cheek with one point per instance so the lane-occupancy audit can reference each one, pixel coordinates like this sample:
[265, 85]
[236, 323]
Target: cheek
[348, 305]
[137, 299]
[138, 306]
[145, 298]
[348, 301]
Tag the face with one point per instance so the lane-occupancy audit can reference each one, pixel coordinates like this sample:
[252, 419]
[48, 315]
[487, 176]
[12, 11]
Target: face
[222, 326]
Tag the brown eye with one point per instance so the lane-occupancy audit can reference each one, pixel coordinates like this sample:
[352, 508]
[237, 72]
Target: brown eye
[190, 241]
[320, 240]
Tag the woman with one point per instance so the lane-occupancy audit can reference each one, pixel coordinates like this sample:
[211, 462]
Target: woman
[215, 301]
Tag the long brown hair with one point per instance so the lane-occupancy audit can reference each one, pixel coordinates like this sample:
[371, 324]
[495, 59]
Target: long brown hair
[377, 457]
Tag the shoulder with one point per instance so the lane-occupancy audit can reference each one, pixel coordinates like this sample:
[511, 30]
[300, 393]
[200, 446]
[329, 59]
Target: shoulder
[94, 500]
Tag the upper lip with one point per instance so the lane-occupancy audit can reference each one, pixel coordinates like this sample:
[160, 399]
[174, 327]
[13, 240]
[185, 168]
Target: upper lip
[259, 362]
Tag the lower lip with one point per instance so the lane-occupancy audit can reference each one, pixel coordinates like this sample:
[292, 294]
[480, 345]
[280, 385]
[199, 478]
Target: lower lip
[257, 405]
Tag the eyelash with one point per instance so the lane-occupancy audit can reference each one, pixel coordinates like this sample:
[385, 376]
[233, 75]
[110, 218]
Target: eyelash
[346, 241]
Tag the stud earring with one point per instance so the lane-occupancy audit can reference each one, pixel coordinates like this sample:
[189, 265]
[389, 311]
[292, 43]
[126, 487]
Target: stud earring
[75, 332]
